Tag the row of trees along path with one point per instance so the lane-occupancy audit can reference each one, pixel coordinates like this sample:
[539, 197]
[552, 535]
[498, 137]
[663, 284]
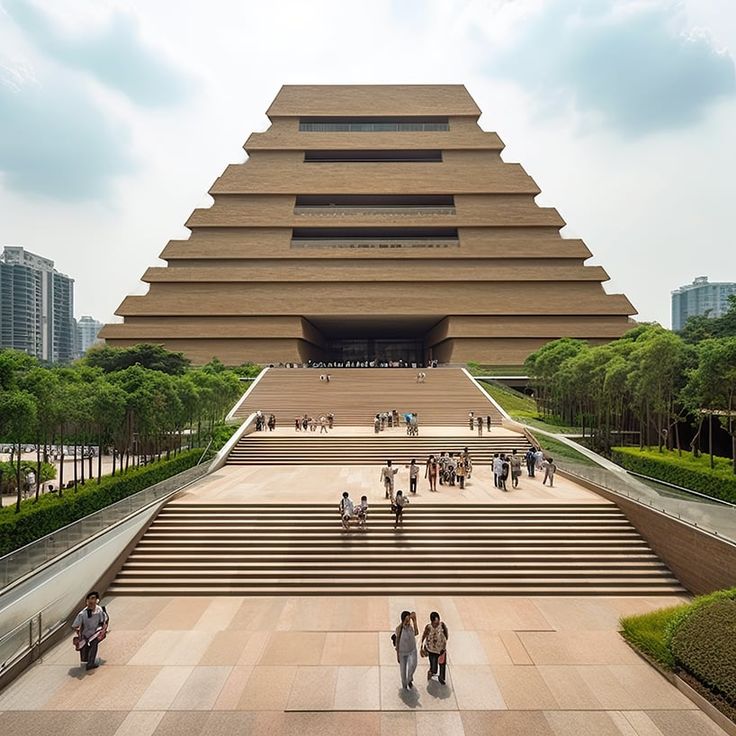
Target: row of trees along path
[142, 402]
[648, 381]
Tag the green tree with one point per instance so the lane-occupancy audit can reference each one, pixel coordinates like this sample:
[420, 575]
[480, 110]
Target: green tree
[17, 421]
[715, 380]
[658, 361]
[153, 357]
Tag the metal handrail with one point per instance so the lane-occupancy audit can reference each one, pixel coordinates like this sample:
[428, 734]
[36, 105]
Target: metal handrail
[34, 637]
[128, 501]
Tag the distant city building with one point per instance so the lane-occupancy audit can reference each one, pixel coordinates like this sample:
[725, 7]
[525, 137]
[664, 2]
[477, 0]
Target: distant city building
[700, 297]
[87, 329]
[36, 306]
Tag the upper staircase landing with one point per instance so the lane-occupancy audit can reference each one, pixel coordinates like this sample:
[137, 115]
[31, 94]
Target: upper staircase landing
[356, 395]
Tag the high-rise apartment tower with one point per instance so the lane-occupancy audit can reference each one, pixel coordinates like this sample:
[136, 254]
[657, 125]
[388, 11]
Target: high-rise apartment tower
[700, 298]
[36, 306]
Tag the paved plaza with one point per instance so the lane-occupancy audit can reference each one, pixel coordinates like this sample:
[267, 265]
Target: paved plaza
[188, 666]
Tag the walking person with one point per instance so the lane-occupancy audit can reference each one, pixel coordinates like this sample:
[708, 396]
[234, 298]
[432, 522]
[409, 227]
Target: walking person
[479, 424]
[388, 472]
[330, 420]
[515, 462]
[460, 471]
[431, 471]
[549, 471]
[361, 512]
[488, 422]
[377, 424]
[405, 643]
[530, 462]
[496, 467]
[471, 420]
[397, 506]
[90, 626]
[505, 471]
[538, 458]
[323, 424]
[346, 510]
[442, 462]
[434, 645]
[465, 455]
[451, 470]
[413, 475]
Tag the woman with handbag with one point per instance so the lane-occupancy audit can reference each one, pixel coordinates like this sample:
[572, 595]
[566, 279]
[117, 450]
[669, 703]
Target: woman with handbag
[434, 645]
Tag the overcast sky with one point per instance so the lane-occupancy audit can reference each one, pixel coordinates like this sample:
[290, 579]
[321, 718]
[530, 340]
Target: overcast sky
[116, 117]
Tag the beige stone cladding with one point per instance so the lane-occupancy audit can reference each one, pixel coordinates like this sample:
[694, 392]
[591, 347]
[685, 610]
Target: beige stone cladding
[372, 212]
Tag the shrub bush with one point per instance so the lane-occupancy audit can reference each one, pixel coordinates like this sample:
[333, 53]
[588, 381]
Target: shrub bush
[685, 471]
[50, 513]
[704, 644]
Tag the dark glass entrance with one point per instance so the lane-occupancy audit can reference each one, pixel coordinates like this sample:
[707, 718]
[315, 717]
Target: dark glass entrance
[376, 349]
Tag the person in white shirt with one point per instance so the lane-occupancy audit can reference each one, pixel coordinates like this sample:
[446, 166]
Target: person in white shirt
[549, 471]
[538, 459]
[413, 475]
[90, 626]
[497, 470]
[387, 478]
[346, 509]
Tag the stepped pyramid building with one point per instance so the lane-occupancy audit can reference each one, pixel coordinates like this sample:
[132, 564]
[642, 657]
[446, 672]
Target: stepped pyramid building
[372, 222]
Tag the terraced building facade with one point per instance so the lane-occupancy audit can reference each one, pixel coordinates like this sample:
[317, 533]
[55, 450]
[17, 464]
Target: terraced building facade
[372, 222]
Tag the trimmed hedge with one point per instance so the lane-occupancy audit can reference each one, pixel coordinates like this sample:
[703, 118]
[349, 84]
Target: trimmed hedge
[704, 644]
[35, 520]
[697, 638]
[685, 471]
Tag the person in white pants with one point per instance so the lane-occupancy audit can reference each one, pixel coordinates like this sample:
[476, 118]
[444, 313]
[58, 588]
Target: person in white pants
[405, 641]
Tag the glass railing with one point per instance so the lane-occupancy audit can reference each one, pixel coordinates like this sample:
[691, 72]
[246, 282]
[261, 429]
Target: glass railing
[25, 560]
[707, 513]
[31, 632]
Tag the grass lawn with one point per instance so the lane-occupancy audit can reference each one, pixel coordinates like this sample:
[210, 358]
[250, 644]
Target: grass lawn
[524, 408]
[497, 370]
[560, 451]
[514, 402]
[647, 632]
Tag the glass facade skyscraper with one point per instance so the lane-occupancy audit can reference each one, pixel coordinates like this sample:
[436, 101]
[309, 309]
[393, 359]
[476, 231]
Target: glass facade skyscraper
[36, 306]
[700, 297]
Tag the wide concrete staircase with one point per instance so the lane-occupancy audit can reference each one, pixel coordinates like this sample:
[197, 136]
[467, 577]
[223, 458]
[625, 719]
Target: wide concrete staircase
[356, 395]
[311, 448]
[491, 549]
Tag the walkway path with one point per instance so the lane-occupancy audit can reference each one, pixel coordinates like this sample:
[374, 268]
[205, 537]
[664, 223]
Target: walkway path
[298, 666]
